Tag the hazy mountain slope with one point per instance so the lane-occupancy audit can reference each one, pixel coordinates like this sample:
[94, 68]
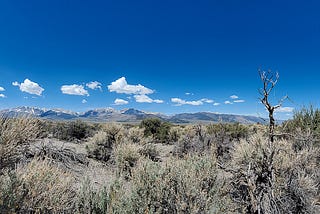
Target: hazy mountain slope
[127, 115]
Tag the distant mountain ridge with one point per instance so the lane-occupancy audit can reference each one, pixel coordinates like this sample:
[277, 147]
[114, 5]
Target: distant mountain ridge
[127, 115]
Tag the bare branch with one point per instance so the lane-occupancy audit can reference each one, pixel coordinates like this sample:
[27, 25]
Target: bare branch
[269, 80]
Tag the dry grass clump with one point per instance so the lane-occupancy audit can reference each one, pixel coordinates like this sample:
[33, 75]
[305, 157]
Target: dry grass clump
[273, 178]
[15, 134]
[37, 187]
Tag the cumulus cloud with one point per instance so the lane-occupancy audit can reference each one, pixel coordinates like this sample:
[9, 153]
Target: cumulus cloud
[180, 102]
[158, 101]
[284, 109]
[227, 102]
[120, 102]
[216, 104]
[84, 101]
[239, 101]
[2, 95]
[94, 85]
[145, 99]
[206, 100]
[122, 87]
[74, 90]
[234, 97]
[29, 87]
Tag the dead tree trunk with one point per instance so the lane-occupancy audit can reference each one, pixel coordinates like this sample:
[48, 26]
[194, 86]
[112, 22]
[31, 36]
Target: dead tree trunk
[269, 80]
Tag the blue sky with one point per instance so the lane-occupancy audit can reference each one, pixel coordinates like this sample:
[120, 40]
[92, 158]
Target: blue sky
[160, 56]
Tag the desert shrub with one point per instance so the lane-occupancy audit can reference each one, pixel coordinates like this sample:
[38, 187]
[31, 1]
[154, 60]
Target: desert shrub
[15, 135]
[62, 156]
[90, 200]
[150, 151]
[37, 187]
[135, 135]
[70, 130]
[304, 128]
[189, 185]
[195, 140]
[225, 134]
[12, 192]
[102, 143]
[229, 131]
[273, 178]
[126, 157]
[157, 129]
[175, 133]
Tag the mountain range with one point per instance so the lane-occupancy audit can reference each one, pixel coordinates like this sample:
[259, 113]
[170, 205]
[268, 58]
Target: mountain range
[127, 115]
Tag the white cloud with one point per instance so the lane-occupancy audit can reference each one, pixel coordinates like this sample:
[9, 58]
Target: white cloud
[2, 96]
[234, 97]
[284, 109]
[2, 89]
[122, 87]
[145, 99]
[180, 102]
[84, 101]
[120, 102]
[216, 104]
[188, 93]
[94, 85]
[239, 101]
[29, 87]
[206, 100]
[227, 102]
[158, 101]
[74, 90]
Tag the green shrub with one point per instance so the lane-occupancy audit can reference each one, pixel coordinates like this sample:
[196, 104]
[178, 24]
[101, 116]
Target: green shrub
[157, 129]
[229, 131]
[70, 130]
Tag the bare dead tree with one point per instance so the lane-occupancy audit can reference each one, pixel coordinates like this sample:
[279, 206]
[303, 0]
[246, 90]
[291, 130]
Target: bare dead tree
[269, 80]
